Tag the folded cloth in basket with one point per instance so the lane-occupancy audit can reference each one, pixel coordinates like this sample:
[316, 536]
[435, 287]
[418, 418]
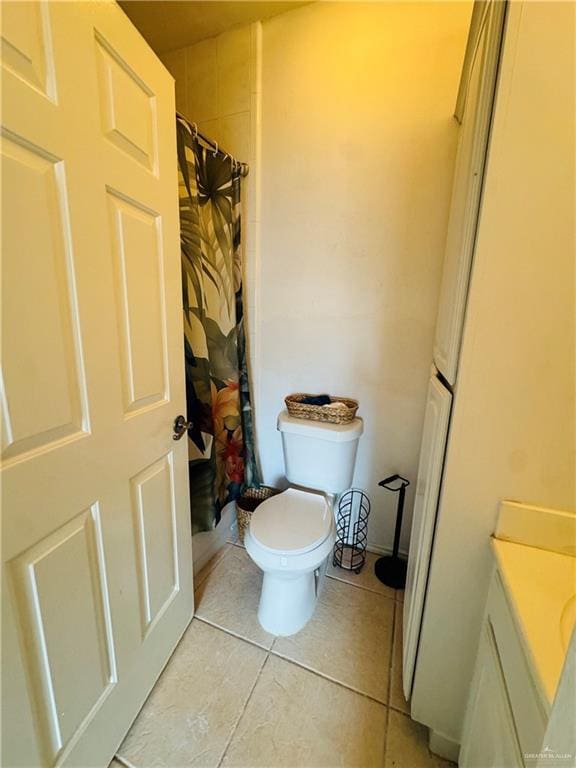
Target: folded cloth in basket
[316, 400]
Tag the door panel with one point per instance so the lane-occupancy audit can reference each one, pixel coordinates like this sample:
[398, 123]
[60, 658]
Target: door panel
[154, 508]
[47, 405]
[63, 605]
[137, 249]
[127, 106]
[434, 438]
[96, 541]
[26, 47]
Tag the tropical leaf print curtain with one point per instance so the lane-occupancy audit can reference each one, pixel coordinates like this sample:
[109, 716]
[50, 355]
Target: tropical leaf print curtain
[221, 440]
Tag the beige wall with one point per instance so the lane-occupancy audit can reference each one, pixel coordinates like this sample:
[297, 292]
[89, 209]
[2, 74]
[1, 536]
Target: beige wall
[358, 146]
[513, 431]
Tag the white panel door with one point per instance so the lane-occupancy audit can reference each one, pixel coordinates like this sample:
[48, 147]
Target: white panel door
[434, 438]
[96, 543]
[466, 190]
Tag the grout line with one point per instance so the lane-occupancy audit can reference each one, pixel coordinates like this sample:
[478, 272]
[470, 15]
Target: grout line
[231, 632]
[391, 660]
[271, 649]
[396, 592]
[324, 676]
[361, 586]
[396, 639]
[123, 761]
[237, 723]
[399, 711]
[389, 683]
[395, 596]
[293, 661]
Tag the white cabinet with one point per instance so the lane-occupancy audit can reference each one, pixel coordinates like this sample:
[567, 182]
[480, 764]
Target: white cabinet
[506, 718]
[489, 739]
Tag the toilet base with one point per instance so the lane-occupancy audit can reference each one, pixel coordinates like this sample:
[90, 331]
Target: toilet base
[287, 602]
[291, 583]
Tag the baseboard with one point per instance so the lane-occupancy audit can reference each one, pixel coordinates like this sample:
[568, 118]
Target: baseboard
[376, 549]
[443, 746]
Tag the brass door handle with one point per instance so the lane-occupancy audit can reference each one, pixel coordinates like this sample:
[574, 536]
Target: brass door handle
[181, 426]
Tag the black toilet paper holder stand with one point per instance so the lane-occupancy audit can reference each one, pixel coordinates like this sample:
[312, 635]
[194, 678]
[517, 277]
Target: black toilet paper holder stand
[391, 569]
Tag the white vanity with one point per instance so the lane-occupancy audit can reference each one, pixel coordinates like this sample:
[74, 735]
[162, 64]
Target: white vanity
[519, 712]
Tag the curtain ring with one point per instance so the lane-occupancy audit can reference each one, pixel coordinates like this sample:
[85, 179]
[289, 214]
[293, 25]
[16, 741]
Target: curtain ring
[195, 130]
[216, 150]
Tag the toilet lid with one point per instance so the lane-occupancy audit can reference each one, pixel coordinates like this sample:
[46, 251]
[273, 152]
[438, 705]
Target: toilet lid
[292, 522]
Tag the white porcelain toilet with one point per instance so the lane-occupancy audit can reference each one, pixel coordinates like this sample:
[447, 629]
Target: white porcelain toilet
[292, 534]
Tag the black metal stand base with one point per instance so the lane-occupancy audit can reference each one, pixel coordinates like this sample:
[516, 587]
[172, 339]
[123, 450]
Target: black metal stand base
[391, 571]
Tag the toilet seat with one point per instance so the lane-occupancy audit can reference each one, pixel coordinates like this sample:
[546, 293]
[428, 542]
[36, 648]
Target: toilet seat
[292, 523]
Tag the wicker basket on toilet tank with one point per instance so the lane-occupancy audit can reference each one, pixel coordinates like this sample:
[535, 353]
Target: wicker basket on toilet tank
[341, 411]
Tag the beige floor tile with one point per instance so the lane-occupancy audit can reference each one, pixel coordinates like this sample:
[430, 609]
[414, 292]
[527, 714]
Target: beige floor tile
[396, 693]
[407, 745]
[209, 567]
[230, 594]
[295, 718]
[191, 713]
[349, 638]
[366, 578]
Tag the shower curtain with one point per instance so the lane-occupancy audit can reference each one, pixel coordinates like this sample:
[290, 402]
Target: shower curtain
[221, 440]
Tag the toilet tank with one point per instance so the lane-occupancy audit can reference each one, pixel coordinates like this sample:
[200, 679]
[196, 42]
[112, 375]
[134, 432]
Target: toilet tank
[318, 455]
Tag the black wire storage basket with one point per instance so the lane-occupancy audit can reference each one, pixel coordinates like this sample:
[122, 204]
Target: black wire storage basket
[351, 530]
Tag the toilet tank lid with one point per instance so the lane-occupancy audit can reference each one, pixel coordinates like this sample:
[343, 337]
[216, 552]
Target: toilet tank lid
[320, 430]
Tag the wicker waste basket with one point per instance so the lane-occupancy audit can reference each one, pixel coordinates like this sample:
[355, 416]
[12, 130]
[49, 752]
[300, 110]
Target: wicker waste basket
[247, 503]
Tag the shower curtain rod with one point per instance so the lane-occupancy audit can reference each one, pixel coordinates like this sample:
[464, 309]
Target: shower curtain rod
[244, 167]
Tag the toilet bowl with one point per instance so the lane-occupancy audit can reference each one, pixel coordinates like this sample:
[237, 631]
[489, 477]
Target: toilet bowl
[291, 535]
[290, 538]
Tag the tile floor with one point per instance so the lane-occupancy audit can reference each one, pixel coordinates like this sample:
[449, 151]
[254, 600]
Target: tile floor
[233, 695]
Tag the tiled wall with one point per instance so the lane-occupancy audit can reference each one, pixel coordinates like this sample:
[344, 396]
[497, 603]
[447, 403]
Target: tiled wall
[218, 87]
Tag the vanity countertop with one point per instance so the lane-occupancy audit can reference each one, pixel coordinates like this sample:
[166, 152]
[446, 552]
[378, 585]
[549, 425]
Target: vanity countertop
[541, 589]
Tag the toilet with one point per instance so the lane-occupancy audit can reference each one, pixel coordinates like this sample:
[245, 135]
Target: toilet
[291, 535]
